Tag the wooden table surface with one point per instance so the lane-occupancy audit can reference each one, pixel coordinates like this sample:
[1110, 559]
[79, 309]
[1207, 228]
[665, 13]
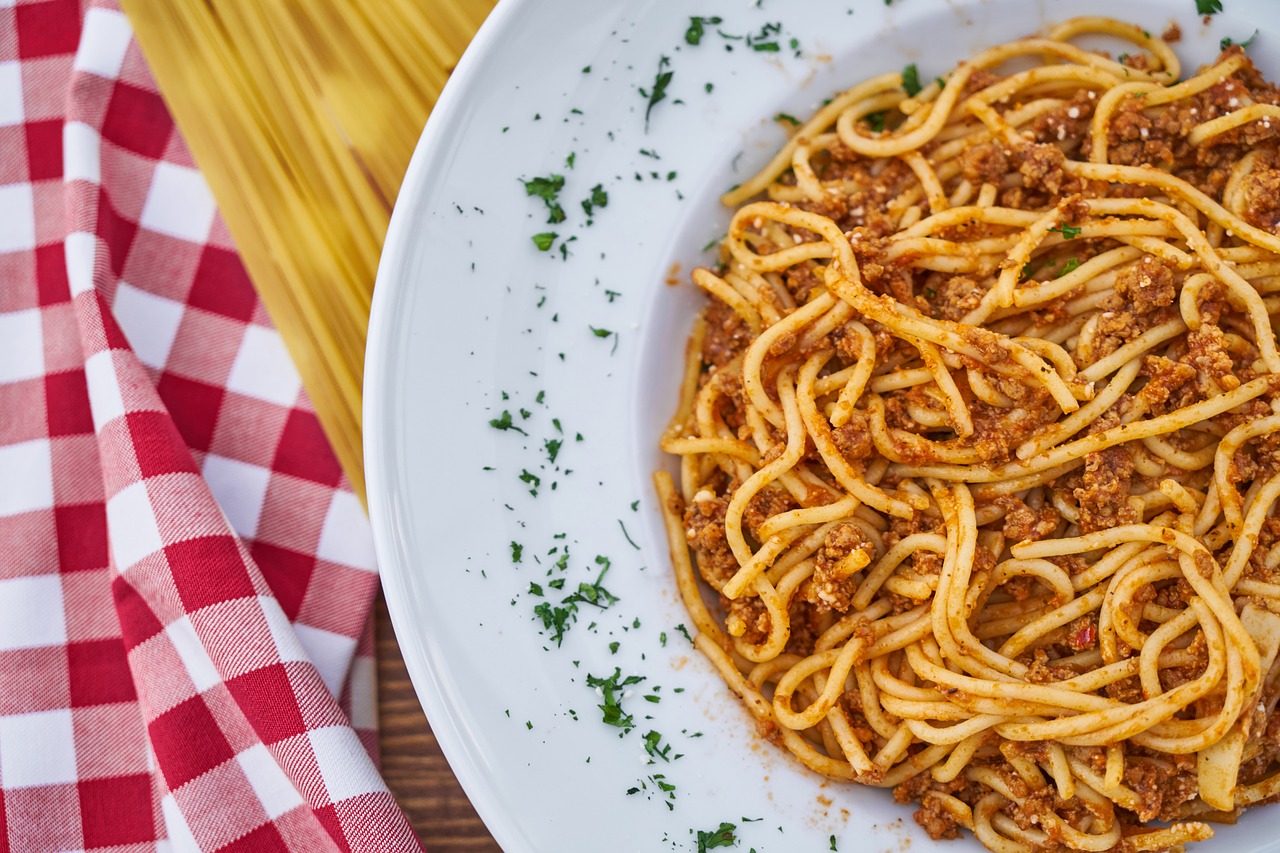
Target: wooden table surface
[412, 764]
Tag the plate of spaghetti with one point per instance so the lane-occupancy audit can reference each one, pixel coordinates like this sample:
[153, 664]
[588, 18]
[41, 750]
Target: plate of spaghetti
[932, 502]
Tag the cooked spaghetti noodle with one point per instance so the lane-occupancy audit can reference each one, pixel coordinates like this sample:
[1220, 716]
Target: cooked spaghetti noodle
[979, 443]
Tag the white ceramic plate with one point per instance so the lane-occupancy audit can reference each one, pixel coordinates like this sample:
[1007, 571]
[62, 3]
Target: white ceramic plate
[471, 320]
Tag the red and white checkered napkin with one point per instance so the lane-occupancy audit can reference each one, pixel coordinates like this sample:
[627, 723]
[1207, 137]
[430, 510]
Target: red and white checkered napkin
[185, 577]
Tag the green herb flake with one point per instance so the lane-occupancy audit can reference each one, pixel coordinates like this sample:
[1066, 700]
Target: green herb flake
[1244, 45]
[722, 836]
[553, 448]
[610, 689]
[911, 80]
[653, 746]
[683, 630]
[875, 121]
[696, 30]
[658, 91]
[548, 189]
[544, 240]
[504, 422]
[613, 647]
[630, 541]
[1068, 232]
[535, 589]
[1071, 264]
[1208, 7]
[517, 551]
[787, 118]
[598, 198]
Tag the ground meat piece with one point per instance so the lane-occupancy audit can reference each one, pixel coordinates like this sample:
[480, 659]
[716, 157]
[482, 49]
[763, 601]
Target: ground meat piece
[934, 819]
[1104, 496]
[704, 528]
[732, 406]
[1114, 328]
[727, 334]
[747, 618]
[986, 163]
[767, 503]
[1042, 671]
[1067, 125]
[978, 80]
[1082, 633]
[800, 281]
[1161, 786]
[1024, 524]
[1262, 198]
[1041, 166]
[1208, 354]
[854, 438]
[806, 624]
[1170, 384]
[1133, 139]
[1172, 33]
[1146, 285]
[834, 583]
[957, 297]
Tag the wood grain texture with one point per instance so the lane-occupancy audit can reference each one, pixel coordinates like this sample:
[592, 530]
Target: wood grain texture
[412, 763]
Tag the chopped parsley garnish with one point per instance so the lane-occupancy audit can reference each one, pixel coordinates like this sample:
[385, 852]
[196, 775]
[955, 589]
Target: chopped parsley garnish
[630, 541]
[659, 89]
[573, 155]
[535, 589]
[1208, 7]
[653, 746]
[555, 619]
[612, 707]
[722, 836]
[789, 119]
[548, 189]
[694, 34]
[544, 240]
[599, 198]
[517, 551]
[593, 593]
[553, 448]
[1068, 232]
[503, 422]
[875, 121]
[1244, 45]
[683, 630]
[911, 80]
[763, 41]
[1071, 264]
[604, 333]
[833, 842]
[532, 480]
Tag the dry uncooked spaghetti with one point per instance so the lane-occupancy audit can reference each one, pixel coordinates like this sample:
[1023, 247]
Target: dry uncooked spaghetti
[979, 444]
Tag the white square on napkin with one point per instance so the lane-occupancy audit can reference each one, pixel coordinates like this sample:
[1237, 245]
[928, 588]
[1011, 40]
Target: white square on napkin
[179, 204]
[263, 368]
[37, 749]
[31, 614]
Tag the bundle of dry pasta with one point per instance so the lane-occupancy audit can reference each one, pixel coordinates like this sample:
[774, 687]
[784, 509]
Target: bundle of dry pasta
[979, 444]
[303, 116]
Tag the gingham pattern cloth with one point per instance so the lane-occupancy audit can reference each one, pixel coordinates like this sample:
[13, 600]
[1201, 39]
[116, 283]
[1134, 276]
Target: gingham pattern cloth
[185, 576]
